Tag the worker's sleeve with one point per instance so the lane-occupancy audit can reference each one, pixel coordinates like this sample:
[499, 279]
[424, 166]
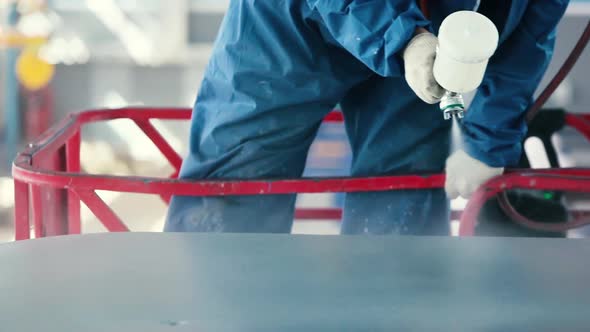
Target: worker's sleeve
[495, 125]
[374, 31]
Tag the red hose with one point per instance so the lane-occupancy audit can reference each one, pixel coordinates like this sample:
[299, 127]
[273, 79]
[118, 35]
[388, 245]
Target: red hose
[578, 221]
[561, 74]
[424, 7]
[565, 69]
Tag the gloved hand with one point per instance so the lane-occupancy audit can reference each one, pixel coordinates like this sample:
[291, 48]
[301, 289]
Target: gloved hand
[465, 174]
[419, 58]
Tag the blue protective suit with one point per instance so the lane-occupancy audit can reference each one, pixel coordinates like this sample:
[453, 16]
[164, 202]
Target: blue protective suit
[278, 67]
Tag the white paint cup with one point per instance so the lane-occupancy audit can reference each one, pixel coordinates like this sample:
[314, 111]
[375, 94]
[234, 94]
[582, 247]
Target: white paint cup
[467, 40]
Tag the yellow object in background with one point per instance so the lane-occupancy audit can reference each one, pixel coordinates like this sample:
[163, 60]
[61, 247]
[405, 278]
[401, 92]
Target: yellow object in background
[15, 39]
[33, 72]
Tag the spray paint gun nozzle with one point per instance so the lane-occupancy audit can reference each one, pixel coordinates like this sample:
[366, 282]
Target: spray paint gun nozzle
[452, 105]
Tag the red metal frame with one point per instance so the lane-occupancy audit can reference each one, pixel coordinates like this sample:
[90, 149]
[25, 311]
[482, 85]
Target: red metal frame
[49, 185]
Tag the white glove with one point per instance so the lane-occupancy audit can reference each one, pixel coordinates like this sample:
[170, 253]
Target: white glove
[419, 58]
[466, 174]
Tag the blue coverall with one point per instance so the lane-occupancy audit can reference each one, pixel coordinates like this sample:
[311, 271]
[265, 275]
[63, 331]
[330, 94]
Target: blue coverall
[278, 67]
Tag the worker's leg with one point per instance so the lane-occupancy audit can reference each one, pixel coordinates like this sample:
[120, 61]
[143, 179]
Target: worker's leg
[270, 81]
[393, 132]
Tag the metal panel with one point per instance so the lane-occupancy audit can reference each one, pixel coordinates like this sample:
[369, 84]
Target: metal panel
[204, 282]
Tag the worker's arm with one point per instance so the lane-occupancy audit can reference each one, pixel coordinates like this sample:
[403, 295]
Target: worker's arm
[495, 124]
[374, 31]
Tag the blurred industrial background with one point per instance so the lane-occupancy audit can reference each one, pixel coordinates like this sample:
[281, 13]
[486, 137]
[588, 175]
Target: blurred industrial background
[63, 56]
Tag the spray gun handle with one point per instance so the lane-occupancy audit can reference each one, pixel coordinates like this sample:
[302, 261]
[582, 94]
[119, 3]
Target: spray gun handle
[452, 105]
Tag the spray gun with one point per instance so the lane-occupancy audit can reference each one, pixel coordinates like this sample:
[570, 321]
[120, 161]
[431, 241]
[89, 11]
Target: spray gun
[466, 42]
[452, 105]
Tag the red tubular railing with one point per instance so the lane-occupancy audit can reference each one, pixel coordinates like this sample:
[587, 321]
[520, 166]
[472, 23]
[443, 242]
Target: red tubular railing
[49, 185]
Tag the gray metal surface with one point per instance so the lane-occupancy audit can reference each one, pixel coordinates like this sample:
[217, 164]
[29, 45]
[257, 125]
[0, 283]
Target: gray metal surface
[191, 282]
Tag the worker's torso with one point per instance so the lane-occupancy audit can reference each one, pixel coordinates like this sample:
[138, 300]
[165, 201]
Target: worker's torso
[506, 14]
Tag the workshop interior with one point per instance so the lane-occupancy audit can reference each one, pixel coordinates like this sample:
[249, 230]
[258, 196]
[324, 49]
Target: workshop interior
[64, 57]
[294, 165]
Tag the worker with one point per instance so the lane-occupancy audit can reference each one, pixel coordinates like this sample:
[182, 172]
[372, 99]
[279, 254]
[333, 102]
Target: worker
[277, 69]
